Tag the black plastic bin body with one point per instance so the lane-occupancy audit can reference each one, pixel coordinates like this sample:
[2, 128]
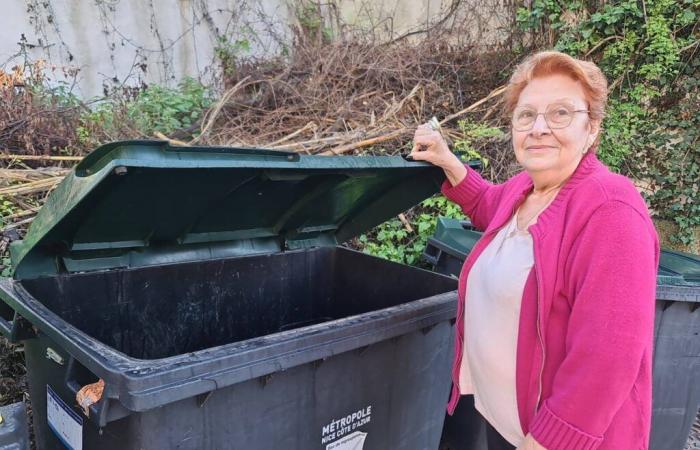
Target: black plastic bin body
[207, 289]
[676, 371]
[204, 364]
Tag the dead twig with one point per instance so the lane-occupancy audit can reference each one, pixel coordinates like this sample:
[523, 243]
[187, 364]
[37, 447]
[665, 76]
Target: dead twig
[406, 223]
[170, 141]
[40, 157]
[31, 187]
[473, 106]
[367, 142]
[17, 224]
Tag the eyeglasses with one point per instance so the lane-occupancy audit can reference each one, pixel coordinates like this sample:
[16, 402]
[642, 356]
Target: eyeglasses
[557, 116]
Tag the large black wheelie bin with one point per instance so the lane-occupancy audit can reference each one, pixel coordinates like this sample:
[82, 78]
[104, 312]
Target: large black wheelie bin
[676, 371]
[207, 289]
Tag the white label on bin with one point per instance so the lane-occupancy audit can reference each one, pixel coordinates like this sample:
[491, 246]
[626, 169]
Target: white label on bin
[354, 441]
[65, 422]
[339, 431]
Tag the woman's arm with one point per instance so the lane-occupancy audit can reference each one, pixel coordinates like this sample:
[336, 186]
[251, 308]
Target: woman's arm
[612, 285]
[478, 198]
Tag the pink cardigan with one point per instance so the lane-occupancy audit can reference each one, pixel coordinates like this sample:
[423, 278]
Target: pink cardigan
[585, 340]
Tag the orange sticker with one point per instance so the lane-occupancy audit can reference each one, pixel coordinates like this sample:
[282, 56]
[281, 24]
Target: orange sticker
[90, 394]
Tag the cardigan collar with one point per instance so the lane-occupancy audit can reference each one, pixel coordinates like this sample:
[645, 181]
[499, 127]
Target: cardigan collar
[588, 165]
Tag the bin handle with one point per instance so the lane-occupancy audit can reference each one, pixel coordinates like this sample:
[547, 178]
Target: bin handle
[102, 411]
[17, 329]
[428, 255]
[5, 324]
[237, 151]
[430, 259]
[95, 410]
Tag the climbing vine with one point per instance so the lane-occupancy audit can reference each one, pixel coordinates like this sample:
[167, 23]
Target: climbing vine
[649, 50]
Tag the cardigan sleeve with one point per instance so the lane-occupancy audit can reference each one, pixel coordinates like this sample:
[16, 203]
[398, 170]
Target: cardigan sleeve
[477, 197]
[612, 280]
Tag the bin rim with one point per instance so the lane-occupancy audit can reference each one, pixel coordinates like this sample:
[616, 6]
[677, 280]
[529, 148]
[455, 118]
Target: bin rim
[138, 384]
[678, 276]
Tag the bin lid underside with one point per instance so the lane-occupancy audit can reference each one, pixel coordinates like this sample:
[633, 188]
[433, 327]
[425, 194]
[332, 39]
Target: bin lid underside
[137, 203]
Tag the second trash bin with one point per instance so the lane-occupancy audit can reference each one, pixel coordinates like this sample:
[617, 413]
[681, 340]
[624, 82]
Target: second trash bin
[676, 371]
[206, 288]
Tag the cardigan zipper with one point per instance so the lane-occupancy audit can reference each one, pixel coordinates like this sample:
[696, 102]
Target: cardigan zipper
[539, 330]
[538, 277]
[539, 293]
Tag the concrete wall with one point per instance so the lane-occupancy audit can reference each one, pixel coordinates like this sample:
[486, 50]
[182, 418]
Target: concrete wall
[128, 42]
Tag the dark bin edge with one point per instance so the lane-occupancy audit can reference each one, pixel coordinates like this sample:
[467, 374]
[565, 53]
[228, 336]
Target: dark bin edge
[678, 293]
[14, 429]
[446, 248]
[138, 384]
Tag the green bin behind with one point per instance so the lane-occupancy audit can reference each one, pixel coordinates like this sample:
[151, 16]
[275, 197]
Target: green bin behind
[676, 390]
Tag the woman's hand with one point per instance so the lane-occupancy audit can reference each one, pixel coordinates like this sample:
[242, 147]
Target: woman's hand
[430, 146]
[530, 444]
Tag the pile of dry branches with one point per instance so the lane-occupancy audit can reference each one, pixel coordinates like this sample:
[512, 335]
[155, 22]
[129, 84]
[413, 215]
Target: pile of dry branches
[33, 119]
[343, 97]
[334, 98]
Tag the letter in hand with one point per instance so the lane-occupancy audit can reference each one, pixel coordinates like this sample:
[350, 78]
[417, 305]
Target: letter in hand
[434, 124]
[430, 146]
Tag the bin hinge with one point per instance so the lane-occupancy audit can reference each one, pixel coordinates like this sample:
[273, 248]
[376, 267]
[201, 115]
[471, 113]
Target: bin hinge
[320, 240]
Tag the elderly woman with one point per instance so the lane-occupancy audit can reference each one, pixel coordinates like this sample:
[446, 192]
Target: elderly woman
[554, 332]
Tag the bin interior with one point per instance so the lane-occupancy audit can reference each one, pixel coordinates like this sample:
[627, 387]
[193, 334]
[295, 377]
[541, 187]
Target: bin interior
[161, 311]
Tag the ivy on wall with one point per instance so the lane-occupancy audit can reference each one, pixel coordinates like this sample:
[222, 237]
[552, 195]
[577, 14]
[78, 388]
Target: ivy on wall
[650, 52]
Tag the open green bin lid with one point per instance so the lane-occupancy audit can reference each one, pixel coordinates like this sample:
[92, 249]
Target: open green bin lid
[457, 238]
[137, 203]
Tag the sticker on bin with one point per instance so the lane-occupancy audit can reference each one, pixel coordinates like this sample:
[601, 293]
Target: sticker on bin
[340, 434]
[64, 422]
[354, 441]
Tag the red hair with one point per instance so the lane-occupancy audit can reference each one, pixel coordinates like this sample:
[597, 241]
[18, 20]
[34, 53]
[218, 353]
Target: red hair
[542, 64]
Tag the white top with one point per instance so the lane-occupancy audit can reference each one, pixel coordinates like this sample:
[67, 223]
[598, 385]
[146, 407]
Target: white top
[495, 287]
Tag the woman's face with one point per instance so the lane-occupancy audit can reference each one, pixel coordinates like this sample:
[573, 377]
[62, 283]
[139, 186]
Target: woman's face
[543, 148]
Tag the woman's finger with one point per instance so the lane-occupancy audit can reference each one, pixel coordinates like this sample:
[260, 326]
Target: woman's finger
[419, 156]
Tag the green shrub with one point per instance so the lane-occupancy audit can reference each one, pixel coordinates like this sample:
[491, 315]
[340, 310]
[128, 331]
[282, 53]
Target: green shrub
[155, 109]
[393, 240]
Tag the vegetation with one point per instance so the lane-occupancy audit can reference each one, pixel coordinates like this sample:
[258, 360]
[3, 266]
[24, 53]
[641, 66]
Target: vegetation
[404, 240]
[649, 51]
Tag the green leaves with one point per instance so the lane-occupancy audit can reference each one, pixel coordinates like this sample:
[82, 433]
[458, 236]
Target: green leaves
[154, 109]
[230, 51]
[473, 135]
[623, 125]
[392, 240]
[5, 267]
[687, 18]
[162, 109]
[646, 49]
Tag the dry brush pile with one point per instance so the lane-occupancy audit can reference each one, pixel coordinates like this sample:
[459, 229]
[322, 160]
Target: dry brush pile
[340, 97]
[336, 98]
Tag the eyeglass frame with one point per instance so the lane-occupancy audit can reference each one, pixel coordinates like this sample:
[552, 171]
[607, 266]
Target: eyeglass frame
[512, 120]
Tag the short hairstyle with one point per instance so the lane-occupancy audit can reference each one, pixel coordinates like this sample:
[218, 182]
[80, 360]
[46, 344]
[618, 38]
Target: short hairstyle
[594, 83]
